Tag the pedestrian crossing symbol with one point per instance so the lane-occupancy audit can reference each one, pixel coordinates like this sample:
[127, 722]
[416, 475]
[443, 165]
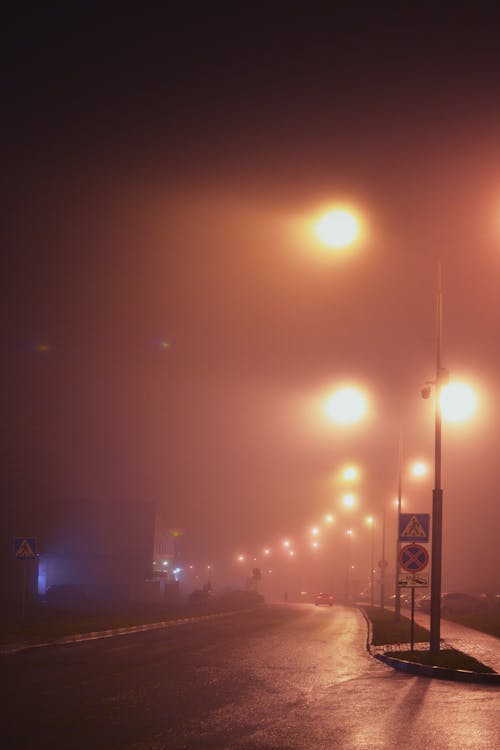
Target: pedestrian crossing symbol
[413, 527]
[25, 548]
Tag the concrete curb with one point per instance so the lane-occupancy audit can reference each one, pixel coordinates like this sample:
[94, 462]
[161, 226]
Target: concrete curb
[441, 673]
[425, 670]
[100, 634]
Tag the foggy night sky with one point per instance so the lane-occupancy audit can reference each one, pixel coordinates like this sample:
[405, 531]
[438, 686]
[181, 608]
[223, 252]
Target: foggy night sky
[157, 171]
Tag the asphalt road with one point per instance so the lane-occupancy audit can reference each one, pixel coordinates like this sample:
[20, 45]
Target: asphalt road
[290, 676]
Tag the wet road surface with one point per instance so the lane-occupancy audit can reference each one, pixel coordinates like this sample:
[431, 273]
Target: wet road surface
[291, 676]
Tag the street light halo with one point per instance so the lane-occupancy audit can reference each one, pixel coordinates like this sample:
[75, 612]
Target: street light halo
[349, 501]
[350, 473]
[338, 228]
[458, 402]
[346, 406]
[419, 469]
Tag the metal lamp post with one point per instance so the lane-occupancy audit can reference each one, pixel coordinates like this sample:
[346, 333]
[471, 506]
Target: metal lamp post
[347, 594]
[397, 590]
[372, 569]
[382, 564]
[437, 492]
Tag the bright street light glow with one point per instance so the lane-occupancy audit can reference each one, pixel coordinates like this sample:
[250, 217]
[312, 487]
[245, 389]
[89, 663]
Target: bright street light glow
[267, 551]
[338, 228]
[458, 402]
[349, 532]
[315, 545]
[241, 558]
[346, 406]
[315, 531]
[369, 520]
[329, 518]
[286, 543]
[349, 501]
[419, 469]
[350, 473]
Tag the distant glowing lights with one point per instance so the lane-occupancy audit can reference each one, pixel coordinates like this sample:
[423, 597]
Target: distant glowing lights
[419, 469]
[329, 518]
[349, 501]
[346, 406]
[350, 473]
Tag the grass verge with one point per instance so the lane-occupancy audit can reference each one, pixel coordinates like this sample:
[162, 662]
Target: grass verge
[447, 658]
[52, 622]
[385, 631]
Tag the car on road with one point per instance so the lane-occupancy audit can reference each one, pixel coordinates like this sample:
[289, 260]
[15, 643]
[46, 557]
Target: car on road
[454, 603]
[321, 598]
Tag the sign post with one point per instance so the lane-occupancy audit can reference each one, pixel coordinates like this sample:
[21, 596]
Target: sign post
[24, 549]
[413, 559]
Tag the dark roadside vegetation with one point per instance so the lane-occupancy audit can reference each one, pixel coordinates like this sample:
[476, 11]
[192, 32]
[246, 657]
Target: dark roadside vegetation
[386, 631]
[42, 621]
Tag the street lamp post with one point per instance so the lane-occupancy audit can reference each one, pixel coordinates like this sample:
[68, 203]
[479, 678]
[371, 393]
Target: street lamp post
[382, 564]
[397, 601]
[347, 593]
[437, 493]
[370, 520]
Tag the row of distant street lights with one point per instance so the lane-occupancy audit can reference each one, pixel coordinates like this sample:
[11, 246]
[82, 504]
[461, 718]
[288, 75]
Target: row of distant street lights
[349, 501]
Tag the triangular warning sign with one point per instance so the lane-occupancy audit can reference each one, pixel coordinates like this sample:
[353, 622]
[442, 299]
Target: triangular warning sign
[413, 529]
[24, 550]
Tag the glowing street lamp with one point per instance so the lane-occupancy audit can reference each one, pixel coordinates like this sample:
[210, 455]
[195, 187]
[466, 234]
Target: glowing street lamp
[457, 401]
[419, 469]
[346, 406]
[338, 228]
[349, 501]
[329, 518]
[350, 473]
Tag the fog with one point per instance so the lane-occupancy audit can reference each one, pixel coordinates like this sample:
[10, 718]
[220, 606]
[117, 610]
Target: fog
[171, 331]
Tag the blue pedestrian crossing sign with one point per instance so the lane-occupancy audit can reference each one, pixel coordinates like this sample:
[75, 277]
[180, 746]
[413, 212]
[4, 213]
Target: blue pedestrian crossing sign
[414, 527]
[25, 547]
